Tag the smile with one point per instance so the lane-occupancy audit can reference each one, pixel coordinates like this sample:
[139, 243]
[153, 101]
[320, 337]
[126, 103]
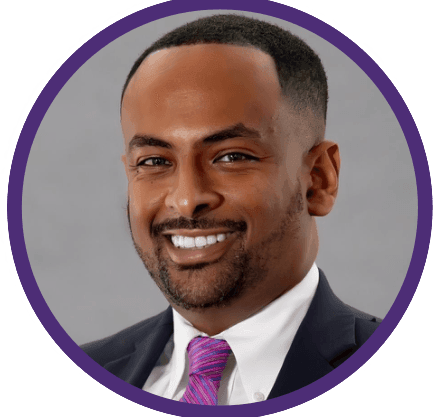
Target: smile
[199, 242]
[189, 247]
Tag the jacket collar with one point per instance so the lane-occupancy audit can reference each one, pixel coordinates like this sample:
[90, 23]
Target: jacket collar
[148, 350]
[326, 335]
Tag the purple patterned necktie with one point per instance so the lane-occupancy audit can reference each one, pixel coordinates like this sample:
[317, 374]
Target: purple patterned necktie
[207, 360]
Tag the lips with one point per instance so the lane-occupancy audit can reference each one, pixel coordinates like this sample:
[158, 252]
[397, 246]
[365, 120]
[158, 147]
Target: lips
[189, 247]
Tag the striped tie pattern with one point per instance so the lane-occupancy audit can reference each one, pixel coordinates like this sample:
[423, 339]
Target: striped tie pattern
[207, 360]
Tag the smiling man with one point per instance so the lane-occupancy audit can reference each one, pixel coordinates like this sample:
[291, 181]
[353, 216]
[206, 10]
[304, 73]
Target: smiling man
[228, 166]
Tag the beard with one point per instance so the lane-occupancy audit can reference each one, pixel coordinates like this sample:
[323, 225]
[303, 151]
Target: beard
[215, 284]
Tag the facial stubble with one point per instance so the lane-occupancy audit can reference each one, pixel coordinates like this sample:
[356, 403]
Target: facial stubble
[238, 271]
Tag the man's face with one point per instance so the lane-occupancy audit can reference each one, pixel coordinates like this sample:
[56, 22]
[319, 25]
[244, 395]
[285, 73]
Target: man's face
[217, 182]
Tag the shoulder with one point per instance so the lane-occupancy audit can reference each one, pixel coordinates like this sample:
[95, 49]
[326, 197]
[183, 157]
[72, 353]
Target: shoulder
[365, 325]
[124, 343]
[334, 312]
[338, 330]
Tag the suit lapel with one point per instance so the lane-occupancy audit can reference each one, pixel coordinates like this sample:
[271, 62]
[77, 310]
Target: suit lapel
[136, 367]
[325, 338]
[326, 335]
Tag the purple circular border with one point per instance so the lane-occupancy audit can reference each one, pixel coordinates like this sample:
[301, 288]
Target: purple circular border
[182, 6]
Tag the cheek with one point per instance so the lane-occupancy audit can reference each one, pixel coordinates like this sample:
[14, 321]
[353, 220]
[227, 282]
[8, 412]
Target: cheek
[144, 203]
[265, 202]
[260, 202]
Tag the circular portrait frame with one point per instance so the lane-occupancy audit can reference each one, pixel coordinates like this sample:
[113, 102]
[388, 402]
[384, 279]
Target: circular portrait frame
[143, 17]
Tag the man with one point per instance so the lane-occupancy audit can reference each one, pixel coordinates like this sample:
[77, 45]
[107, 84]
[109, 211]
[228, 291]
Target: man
[227, 166]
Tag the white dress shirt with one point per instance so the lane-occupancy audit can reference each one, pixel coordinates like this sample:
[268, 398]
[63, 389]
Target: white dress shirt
[259, 346]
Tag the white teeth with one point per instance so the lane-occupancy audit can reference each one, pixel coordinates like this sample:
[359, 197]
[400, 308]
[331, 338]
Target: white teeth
[189, 242]
[200, 241]
[186, 242]
[181, 241]
[221, 237]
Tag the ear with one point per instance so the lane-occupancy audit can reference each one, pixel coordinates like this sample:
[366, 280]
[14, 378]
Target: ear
[324, 166]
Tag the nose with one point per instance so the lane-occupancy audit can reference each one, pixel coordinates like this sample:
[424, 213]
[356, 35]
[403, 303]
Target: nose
[192, 193]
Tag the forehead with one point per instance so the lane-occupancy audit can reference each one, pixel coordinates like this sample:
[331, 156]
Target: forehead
[201, 87]
[196, 65]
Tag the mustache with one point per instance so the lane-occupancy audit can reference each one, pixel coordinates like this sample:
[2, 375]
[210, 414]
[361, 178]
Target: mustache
[189, 224]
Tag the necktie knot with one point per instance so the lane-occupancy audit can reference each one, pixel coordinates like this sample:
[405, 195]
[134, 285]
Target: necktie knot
[207, 360]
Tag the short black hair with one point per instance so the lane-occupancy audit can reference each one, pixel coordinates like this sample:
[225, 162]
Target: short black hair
[300, 71]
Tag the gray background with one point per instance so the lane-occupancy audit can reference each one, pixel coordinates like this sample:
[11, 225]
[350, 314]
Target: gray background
[396, 380]
[74, 196]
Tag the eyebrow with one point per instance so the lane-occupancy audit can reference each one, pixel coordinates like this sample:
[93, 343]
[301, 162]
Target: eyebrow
[140, 141]
[236, 131]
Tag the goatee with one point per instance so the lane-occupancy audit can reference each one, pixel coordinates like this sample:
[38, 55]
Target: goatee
[218, 283]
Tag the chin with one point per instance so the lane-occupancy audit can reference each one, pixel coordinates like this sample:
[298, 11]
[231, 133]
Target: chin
[203, 285]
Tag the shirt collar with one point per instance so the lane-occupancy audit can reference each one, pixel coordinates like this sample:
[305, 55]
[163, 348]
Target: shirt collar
[263, 339]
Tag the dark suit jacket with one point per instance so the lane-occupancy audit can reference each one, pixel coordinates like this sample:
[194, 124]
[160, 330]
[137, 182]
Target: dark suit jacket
[329, 334]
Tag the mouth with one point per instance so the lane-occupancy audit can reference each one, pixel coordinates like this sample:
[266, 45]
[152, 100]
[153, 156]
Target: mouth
[189, 247]
[199, 242]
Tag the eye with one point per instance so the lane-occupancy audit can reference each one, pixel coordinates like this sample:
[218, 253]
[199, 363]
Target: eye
[236, 156]
[154, 161]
